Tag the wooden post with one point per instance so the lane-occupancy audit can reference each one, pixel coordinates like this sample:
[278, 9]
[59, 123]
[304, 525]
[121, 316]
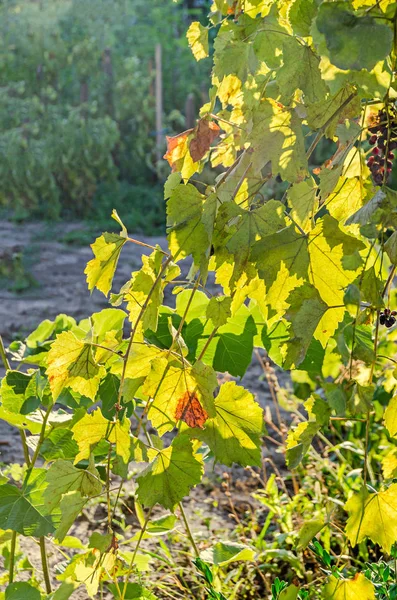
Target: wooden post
[108, 71]
[159, 104]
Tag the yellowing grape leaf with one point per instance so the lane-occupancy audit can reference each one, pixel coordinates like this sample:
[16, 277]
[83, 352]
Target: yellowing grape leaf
[142, 290]
[358, 588]
[197, 36]
[71, 364]
[234, 434]
[170, 383]
[277, 137]
[304, 202]
[390, 416]
[137, 368]
[373, 515]
[328, 248]
[93, 428]
[171, 474]
[389, 464]
[178, 155]
[238, 229]
[100, 270]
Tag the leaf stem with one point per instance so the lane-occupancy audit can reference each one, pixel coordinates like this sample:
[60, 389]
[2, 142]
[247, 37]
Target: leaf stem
[188, 530]
[181, 324]
[138, 243]
[44, 564]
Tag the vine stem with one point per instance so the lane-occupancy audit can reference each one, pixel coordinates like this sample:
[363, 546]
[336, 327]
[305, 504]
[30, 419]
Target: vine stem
[45, 565]
[138, 543]
[207, 343]
[188, 530]
[181, 324]
[12, 557]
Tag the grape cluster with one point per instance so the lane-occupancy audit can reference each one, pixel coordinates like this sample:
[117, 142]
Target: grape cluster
[383, 139]
[387, 317]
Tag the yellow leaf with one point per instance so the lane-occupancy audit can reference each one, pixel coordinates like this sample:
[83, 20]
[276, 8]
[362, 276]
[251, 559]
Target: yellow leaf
[374, 516]
[71, 364]
[390, 417]
[197, 36]
[358, 588]
[100, 270]
[93, 428]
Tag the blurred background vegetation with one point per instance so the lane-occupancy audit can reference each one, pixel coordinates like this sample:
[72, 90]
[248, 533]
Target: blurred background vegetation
[77, 105]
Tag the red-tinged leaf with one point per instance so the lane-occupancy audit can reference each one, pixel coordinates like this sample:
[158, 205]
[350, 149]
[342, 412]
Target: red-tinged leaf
[177, 148]
[204, 134]
[190, 411]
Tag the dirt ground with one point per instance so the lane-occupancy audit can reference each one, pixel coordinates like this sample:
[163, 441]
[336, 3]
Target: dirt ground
[60, 287]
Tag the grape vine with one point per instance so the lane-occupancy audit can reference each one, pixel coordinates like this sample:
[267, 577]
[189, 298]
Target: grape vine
[304, 257]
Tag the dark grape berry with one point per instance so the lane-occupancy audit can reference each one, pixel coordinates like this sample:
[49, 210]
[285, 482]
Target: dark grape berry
[383, 139]
[387, 317]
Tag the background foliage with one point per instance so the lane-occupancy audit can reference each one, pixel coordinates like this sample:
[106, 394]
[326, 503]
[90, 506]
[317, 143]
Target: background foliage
[77, 104]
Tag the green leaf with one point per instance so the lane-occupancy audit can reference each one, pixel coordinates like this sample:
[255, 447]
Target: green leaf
[301, 15]
[308, 531]
[234, 434]
[20, 393]
[373, 515]
[300, 71]
[171, 474]
[223, 553]
[24, 510]
[197, 36]
[63, 477]
[347, 34]
[187, 233]
[219, 310]
[391, 248]
[70, 506]
[71, 364]
[101, 269]
[17, 591]
[100, 541]
[289, 593]
[300, 438]
[349, 589]
[327, 114]
[134, 591]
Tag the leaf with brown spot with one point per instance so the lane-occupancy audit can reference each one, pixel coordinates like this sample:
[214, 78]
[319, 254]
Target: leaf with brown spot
[190, 411]
[178, 155]
[204, 134]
